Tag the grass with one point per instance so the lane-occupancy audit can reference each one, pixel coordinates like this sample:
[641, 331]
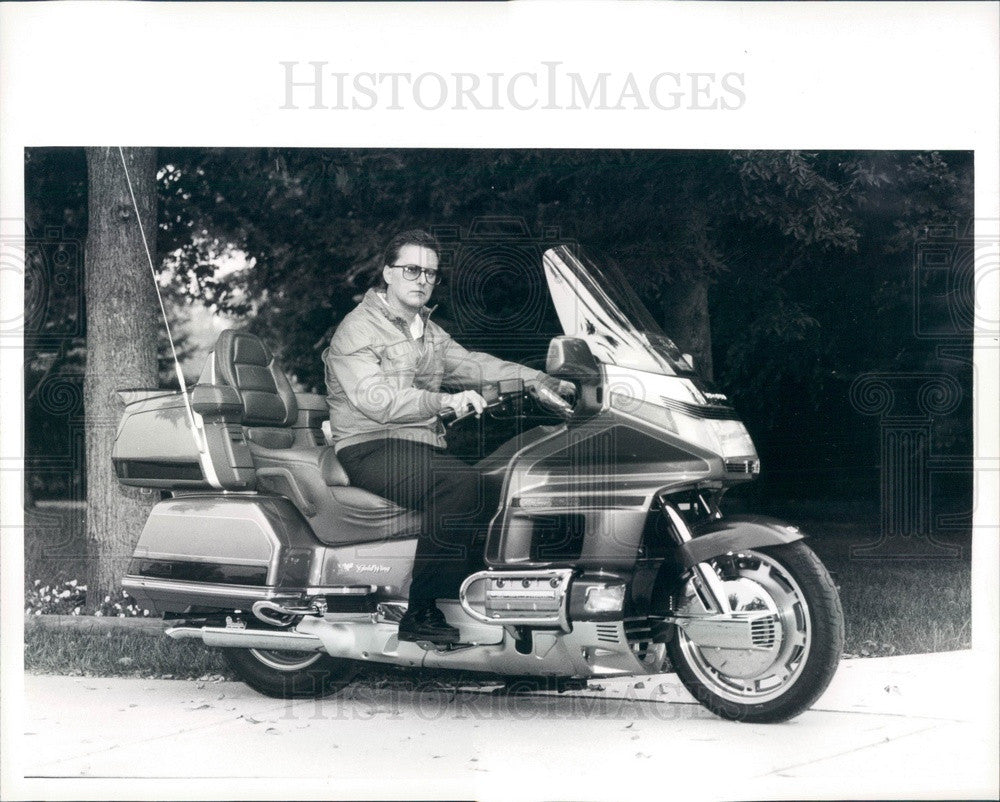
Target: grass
[907, 608]
[118, 653]
[890, 606]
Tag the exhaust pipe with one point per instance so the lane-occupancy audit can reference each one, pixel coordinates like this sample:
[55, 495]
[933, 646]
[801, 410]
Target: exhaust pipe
[230, 638]
[336, 639]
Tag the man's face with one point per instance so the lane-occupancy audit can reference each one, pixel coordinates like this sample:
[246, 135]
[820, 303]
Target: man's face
[400, 291]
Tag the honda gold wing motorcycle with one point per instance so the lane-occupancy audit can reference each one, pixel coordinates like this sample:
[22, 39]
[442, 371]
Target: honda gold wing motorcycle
[607, 556]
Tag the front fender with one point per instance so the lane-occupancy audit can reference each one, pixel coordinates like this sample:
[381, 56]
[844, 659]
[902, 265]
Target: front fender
[723, 535]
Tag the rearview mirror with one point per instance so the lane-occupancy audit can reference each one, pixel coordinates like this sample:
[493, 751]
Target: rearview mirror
[570, 358]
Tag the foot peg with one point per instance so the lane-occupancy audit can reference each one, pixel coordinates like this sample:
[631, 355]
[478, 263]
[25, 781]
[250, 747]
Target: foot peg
[443, 648]
[426, 623]
[421, 639]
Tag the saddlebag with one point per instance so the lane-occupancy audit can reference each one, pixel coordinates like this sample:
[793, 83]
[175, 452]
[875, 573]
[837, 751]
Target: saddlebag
[221, 552]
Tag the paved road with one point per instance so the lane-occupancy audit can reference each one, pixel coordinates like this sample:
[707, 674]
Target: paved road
[890, 727]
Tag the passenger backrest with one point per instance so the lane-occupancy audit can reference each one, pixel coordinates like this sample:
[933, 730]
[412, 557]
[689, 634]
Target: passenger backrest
[245, 363]
[272, 441]
[241, 396]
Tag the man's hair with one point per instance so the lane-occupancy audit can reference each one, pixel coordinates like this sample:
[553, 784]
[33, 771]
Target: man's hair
[414, 236]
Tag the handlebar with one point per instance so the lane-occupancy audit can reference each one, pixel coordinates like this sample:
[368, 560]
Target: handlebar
[549, 400]
[449, 416]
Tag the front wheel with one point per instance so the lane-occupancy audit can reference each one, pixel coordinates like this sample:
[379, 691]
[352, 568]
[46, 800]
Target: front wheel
[289, 674]
[782, 677]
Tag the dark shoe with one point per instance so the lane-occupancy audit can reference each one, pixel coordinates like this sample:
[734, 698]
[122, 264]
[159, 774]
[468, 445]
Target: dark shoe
[426, 622]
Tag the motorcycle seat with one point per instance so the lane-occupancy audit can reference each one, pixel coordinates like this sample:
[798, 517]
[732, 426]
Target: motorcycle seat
[313, 479]
[287, 459]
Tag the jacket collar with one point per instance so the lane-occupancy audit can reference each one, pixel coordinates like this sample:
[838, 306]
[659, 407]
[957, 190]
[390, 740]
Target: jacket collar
[371, 300]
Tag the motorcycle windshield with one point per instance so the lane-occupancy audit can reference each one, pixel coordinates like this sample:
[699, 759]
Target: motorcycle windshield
[597, 304]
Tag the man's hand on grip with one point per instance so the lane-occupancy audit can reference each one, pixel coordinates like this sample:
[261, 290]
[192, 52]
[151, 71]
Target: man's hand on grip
[466, 400]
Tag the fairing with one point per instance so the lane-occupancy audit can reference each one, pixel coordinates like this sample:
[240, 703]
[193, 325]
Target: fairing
[645, 376]
[595, 303]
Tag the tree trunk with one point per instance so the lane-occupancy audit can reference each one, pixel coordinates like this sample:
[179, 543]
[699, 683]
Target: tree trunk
[686, 321]
[122, 324]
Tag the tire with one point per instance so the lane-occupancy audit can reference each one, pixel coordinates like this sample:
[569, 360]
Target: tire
[289, 674]
[800, 590]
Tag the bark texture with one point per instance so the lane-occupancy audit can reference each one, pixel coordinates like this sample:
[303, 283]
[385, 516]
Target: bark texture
[686, 321]
[122, 324]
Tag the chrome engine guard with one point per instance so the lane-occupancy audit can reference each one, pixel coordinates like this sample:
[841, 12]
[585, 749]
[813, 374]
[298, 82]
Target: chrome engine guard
[538, 598]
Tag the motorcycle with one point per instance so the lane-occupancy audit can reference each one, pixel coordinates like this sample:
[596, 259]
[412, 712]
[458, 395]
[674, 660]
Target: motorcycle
[608, 554]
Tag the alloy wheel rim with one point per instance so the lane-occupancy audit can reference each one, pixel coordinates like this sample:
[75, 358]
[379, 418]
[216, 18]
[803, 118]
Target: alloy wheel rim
[795, 624]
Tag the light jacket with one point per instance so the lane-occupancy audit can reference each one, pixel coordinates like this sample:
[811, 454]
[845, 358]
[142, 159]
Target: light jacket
[383, 383]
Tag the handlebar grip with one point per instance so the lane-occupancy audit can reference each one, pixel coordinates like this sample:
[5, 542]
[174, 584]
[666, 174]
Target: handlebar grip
[448, 415]
[553, 401]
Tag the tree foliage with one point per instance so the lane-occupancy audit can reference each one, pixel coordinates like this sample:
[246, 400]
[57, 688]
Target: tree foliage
[805, 259]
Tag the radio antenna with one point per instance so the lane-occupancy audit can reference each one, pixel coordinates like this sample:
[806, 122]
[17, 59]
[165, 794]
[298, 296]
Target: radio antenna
[163, 309]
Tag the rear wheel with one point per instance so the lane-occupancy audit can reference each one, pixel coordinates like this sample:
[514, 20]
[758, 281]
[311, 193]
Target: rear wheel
[290, 674]
[782, 676]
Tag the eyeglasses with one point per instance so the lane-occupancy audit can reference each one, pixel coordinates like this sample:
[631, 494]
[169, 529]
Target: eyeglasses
[412, 272]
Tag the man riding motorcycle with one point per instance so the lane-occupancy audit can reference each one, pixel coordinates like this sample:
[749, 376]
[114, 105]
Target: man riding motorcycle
[385, 367]
[608, 554]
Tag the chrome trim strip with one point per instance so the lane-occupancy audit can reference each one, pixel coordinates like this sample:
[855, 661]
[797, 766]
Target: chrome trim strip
[202, 588]
[341, 590]
[168, 556]
[582, 501]
[705, 411]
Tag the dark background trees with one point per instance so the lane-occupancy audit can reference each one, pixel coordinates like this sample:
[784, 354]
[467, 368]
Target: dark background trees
[785, 274]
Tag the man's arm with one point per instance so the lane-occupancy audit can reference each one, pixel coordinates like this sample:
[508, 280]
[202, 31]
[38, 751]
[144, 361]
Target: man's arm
[358, 371]
[472, 369]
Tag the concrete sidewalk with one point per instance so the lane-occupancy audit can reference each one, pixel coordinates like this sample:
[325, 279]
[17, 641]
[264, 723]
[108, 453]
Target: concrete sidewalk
[922, 725]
